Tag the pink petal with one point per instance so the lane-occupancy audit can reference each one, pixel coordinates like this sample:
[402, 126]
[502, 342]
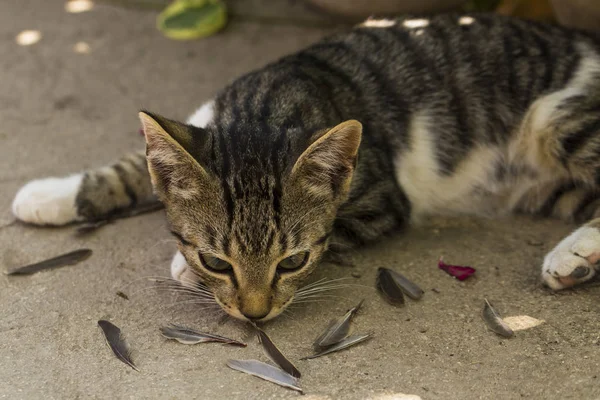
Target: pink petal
[458, 271]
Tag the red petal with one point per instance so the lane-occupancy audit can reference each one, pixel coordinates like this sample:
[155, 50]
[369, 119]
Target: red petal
[458, 271]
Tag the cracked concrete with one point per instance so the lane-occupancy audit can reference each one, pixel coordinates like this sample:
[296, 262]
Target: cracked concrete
[62, 111]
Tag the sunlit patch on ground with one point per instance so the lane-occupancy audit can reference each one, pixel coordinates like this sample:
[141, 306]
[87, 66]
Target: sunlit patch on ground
[82, 48]
[378, 23]
[416, 23]
[466, 20]
[396, 396]
[78, 6]
[28, 37]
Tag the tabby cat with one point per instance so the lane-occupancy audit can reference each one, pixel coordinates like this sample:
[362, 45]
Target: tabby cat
[353, 138]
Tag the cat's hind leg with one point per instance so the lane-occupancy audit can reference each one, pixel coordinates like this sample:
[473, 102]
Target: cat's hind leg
[559, 139]
[86, 196]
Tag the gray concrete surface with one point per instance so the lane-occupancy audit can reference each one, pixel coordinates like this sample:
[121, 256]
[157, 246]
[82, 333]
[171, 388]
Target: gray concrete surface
[61, 111]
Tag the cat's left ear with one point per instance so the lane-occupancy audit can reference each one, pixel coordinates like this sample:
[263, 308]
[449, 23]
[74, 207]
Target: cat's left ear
[325, 168]
[171, 151]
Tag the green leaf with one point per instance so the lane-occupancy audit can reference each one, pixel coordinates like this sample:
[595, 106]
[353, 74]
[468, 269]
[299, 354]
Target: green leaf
[192, 19]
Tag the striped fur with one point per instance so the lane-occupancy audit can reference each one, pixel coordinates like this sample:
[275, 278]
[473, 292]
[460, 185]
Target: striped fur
[475, 114]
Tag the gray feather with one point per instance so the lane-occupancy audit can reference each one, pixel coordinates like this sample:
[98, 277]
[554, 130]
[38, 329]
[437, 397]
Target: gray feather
[337, 329]
[408, 288]
[344, 344]
[63, 260]
[266, 372]
[388, 288]
[190, 336]
[276, 355]
[117, 343]
[494, 322]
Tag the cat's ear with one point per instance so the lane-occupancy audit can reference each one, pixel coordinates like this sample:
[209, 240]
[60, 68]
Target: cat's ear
[325, 169]
[170, 150]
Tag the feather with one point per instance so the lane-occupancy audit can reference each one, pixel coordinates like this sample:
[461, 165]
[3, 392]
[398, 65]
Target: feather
[266, 372]
[494, 322]
[344, 344]
[121, 214]
[117, 343]
[337, 329]
[63, 260]
[388, 288]
[190, 336]
[408, 288]
[88, 227]
[122, 295]
[275, 354]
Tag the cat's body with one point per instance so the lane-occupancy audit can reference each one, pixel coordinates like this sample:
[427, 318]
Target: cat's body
[460, 114]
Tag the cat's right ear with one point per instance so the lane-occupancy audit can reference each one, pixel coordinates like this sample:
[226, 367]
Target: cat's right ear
[325, 169]
[170, 148]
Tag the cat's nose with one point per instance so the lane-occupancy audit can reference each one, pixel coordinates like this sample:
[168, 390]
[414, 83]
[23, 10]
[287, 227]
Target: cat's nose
[255, 304]
[255, 316]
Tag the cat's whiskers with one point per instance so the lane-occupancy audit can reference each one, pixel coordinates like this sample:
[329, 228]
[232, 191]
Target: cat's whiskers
[320, 282]
[167, 284]
[172, 289]
[206, 302]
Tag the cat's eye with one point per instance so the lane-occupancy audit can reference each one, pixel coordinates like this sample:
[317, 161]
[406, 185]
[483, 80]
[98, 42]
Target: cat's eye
[214, 264]
[294, 262]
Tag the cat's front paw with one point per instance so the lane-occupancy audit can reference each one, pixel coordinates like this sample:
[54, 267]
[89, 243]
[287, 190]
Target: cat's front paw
[182, 272]
[574, 260]
[49, 201]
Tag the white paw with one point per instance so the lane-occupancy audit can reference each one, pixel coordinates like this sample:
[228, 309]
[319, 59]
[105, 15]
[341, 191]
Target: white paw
[573, 260]
[49, 201]
[181, 271]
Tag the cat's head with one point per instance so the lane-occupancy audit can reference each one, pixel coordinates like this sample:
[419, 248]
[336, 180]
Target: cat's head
[252, 224]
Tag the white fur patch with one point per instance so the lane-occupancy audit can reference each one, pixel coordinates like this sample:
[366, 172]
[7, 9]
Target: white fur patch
[576, 250]
[378, 23]
[430, 192]
[49, 201]
[588, 69]
[416, 23]
[202, 116]
[181, 271]
[466, 20]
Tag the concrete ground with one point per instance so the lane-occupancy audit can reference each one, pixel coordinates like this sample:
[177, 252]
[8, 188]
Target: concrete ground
[62, 111]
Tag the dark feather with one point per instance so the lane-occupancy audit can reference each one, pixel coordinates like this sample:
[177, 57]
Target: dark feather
[88, 227]
[494, 322]
[190, 336]
[121, 214]
[344, 344]
[276, 355]
[388, 288]
[266, 372]
[116, 342]
[337, 329]
[122, 295]
[407, 287]
[71, 258]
